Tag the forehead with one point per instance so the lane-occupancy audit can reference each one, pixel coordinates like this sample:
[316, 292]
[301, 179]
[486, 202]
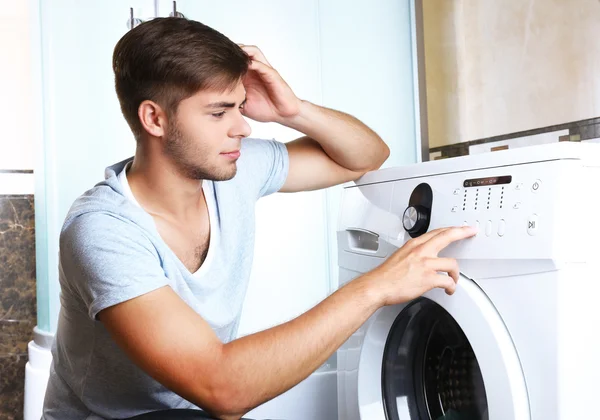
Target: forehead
[235, 94]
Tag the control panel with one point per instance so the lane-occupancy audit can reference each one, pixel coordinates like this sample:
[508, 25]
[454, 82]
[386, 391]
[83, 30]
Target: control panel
[482, 199]
[500, 202]
[491, 207]
[536, 211]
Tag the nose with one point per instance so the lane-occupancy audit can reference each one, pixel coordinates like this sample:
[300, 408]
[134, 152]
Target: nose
[241, 128]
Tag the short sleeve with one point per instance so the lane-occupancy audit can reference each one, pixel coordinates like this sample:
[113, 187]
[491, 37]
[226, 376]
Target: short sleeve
[108, 260]
[265, 164]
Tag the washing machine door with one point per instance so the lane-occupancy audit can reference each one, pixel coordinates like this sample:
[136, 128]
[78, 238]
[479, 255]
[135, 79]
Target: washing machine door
[441, 357]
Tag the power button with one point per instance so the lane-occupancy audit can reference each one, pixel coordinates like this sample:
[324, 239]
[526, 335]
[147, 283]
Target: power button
[535, 187]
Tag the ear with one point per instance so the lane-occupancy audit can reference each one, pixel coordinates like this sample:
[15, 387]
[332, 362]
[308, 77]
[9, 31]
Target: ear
[153, 118]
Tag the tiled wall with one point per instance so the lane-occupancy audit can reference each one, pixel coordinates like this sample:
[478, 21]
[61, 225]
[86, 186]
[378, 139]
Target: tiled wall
[585, 130]
[20, 115]
[17, 298]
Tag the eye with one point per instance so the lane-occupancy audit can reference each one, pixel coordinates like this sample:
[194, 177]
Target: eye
[219, 114]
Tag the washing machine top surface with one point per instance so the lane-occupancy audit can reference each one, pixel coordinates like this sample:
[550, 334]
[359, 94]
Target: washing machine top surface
[590, 153]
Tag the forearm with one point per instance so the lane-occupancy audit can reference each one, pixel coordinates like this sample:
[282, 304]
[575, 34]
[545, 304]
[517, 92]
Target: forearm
[261, 366]
[345, 139]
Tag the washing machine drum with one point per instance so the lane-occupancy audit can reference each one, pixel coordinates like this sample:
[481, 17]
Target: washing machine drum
[440, 357]
[429, 369]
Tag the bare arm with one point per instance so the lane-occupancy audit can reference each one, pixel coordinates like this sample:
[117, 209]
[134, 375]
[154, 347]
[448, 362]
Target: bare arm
[178, 348]
[337, 148]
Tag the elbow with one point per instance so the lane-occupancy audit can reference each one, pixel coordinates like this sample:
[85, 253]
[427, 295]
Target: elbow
[227, 402]
[379, 158]
[223, 395]
[384, 155]
[226, 410]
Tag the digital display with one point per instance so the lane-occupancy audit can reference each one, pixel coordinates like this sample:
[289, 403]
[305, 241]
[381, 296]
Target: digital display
[487, 182]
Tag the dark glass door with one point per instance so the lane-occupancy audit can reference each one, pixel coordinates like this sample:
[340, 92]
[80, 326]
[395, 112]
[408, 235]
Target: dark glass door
[429, 369]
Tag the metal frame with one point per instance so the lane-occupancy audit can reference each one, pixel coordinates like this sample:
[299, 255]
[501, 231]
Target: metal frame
[419, 81]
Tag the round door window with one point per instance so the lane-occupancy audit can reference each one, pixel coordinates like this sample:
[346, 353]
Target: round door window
[429, 369]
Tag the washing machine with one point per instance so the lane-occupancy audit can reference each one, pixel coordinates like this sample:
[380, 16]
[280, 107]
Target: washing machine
[518, 340]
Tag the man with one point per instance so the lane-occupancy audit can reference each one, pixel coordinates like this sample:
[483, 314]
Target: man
[155, 260]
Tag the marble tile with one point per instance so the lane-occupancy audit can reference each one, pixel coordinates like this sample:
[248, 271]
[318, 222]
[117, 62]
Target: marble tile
[17, 298]
[12, 386]
[17, 258]
[14, 336]
[587, 132]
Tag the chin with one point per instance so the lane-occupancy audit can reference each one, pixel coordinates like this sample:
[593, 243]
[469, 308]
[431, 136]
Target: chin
[216, 173]
[226, 174]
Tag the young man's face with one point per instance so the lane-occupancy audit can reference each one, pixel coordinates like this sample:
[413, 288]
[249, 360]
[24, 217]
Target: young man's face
[205, 137]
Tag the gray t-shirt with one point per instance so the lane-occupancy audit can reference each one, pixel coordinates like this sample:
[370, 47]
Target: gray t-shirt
[110, 252]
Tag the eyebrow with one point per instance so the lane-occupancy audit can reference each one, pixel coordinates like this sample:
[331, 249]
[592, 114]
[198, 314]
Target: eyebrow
[224, 104]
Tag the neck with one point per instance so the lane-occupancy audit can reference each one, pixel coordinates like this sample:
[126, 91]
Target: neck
[160, 188]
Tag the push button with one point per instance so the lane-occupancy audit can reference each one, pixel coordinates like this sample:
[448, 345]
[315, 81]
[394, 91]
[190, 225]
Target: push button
[533, 224]
[488, 228]
[535, 187]
[501, 227]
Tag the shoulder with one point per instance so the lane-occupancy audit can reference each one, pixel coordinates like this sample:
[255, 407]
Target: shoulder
[263, 165]
[103, 232]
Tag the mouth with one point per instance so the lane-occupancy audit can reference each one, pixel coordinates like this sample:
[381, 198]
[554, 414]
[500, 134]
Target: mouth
[231, 155]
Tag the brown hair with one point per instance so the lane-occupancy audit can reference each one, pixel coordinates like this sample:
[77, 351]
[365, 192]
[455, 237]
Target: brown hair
[167, 60]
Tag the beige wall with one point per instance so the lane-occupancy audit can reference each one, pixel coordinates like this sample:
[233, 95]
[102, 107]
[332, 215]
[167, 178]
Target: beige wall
[496, 67]
[18, 120]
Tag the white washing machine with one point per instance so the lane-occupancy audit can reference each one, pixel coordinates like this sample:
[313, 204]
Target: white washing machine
[519, 338]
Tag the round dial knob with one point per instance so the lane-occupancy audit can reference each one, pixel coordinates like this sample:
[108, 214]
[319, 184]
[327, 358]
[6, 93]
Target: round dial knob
[414, 220]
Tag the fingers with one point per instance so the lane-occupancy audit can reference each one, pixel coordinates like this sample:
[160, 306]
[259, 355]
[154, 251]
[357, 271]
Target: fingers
[255, 53]
[268, 74]
[445, 282]
[446, 265]
[445, 238]
[420, 240]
